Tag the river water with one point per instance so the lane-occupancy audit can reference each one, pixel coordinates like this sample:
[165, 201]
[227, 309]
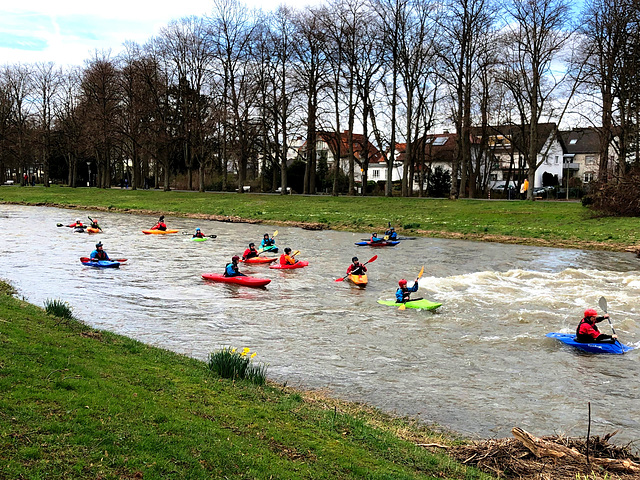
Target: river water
[480, 365]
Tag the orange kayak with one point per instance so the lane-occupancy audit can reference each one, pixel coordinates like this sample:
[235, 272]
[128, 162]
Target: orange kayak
[360, 280]
[158, 232]
[93, 230]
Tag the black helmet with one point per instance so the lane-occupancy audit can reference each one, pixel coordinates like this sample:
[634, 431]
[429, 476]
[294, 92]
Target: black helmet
[161, 218]
[99, 244]
[287, 250]
[252, 244]
[266, 235]
[354, 259]
[374, 234]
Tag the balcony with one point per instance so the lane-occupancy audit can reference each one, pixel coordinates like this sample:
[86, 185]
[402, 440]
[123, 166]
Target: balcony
[571, 166]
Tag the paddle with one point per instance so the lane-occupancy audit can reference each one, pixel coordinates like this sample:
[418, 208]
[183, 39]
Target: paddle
[403, 306]
[119, 260]
[603, 305]
[372, 259]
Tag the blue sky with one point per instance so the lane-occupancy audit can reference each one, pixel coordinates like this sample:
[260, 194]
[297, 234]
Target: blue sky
[67, 32]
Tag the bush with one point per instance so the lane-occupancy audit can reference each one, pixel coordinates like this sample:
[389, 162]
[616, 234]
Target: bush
[619, 196]
[58, 308]
[229, 363]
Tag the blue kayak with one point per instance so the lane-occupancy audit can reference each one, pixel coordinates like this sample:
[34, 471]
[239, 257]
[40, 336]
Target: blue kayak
[102, 264]
[595, 347]
[269, 248]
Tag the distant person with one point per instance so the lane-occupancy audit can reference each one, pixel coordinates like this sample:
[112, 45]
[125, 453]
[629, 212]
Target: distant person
[250, 252]
[403, 293]
[587, 331]
[286, 258]
[391, 233]
[198, 234]
[33, 180]
[25, 179]
[267, 241]
[523, 189]
[375, 238]
[94, 224]
[160, 225]
[356, 268]
[231, 270]
[98, 253]
[78, 226]
[126, 184]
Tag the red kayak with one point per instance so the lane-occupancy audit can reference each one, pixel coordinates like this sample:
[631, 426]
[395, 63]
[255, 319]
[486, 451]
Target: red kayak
[285, 267]
[239, 280]
[259, 260]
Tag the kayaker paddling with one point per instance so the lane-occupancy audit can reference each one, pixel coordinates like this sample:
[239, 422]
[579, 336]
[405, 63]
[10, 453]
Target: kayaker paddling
[375, 239]
[250, 252]
[160, 225]
[356, 268]
[198, 234]
[403, 293]
[587, 331]
[232, 270]
[390, 234]
[99, 254]
[286, 258]
[267, 241]
[77, 226]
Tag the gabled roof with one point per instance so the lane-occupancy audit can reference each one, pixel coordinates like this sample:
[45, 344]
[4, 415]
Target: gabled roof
[440, 147]
[517, 137]
[581, 140]
[332, 139]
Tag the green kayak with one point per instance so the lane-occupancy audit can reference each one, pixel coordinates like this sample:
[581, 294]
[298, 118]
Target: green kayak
[422, 304]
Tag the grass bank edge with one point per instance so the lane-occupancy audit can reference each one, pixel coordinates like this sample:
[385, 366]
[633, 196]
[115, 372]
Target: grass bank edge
[77, 402]
[542, 223]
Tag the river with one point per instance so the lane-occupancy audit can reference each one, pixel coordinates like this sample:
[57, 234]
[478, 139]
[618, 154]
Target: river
[480, 365]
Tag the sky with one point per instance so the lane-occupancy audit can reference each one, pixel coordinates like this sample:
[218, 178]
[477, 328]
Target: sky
[67, 32]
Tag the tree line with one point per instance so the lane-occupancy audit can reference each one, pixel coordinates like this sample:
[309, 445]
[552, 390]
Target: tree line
[218, 101]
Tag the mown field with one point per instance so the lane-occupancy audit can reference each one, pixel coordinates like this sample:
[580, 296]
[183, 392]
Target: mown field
[79, 403]
[548, 223]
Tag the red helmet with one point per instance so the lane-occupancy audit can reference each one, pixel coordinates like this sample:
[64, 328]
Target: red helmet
[402, 282]
[235, 258]
[590, 312]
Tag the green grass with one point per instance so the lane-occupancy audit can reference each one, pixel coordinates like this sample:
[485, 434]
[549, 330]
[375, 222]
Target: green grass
[561, 224]
[78, 403]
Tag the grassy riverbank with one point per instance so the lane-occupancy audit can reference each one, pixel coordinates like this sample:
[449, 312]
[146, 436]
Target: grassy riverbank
[556, 224]
[82, 403]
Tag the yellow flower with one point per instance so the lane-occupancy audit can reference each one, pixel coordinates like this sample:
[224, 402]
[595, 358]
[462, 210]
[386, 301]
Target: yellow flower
[245, 351]
[254, 354]
[233, 350]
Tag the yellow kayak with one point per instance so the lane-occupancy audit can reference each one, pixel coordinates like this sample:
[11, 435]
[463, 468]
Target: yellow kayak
[158, 232]
[360, 280]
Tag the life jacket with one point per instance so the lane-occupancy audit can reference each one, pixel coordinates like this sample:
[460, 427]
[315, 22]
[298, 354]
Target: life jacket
[102, 255]
[267, 242]
[249, 253]
[198, 235]
[159, 226]
[359, 269]
[230, 270]
[583, 337]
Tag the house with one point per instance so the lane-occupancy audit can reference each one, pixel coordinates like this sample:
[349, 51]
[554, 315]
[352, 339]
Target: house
[582, 156]
[508, 144]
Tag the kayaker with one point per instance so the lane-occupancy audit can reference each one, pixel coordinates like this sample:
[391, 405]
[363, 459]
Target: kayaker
[94, 224]
[356, 268]
[160, 225]
[587, 331]
[198, 234]
[286, 258]
[403, 292]
[267, 241]
[375, 239]
[98, 253]
[77, 224]
[231, 270]
[391, 233]
[250, 252]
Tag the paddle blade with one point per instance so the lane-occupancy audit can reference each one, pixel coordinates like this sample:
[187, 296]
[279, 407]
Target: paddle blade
[421, 272]
[339, 279]
[275, 233]
[373, 259]
[59, 225]
[603, 304]
[295, 253]
[402, 307]
[212, 236]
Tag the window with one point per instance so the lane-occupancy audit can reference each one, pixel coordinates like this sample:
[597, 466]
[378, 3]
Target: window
[440, 140]
[375, 173]
[493, 177]
[588, 177]
[573, 141]
[557, 159]
[589, 159]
